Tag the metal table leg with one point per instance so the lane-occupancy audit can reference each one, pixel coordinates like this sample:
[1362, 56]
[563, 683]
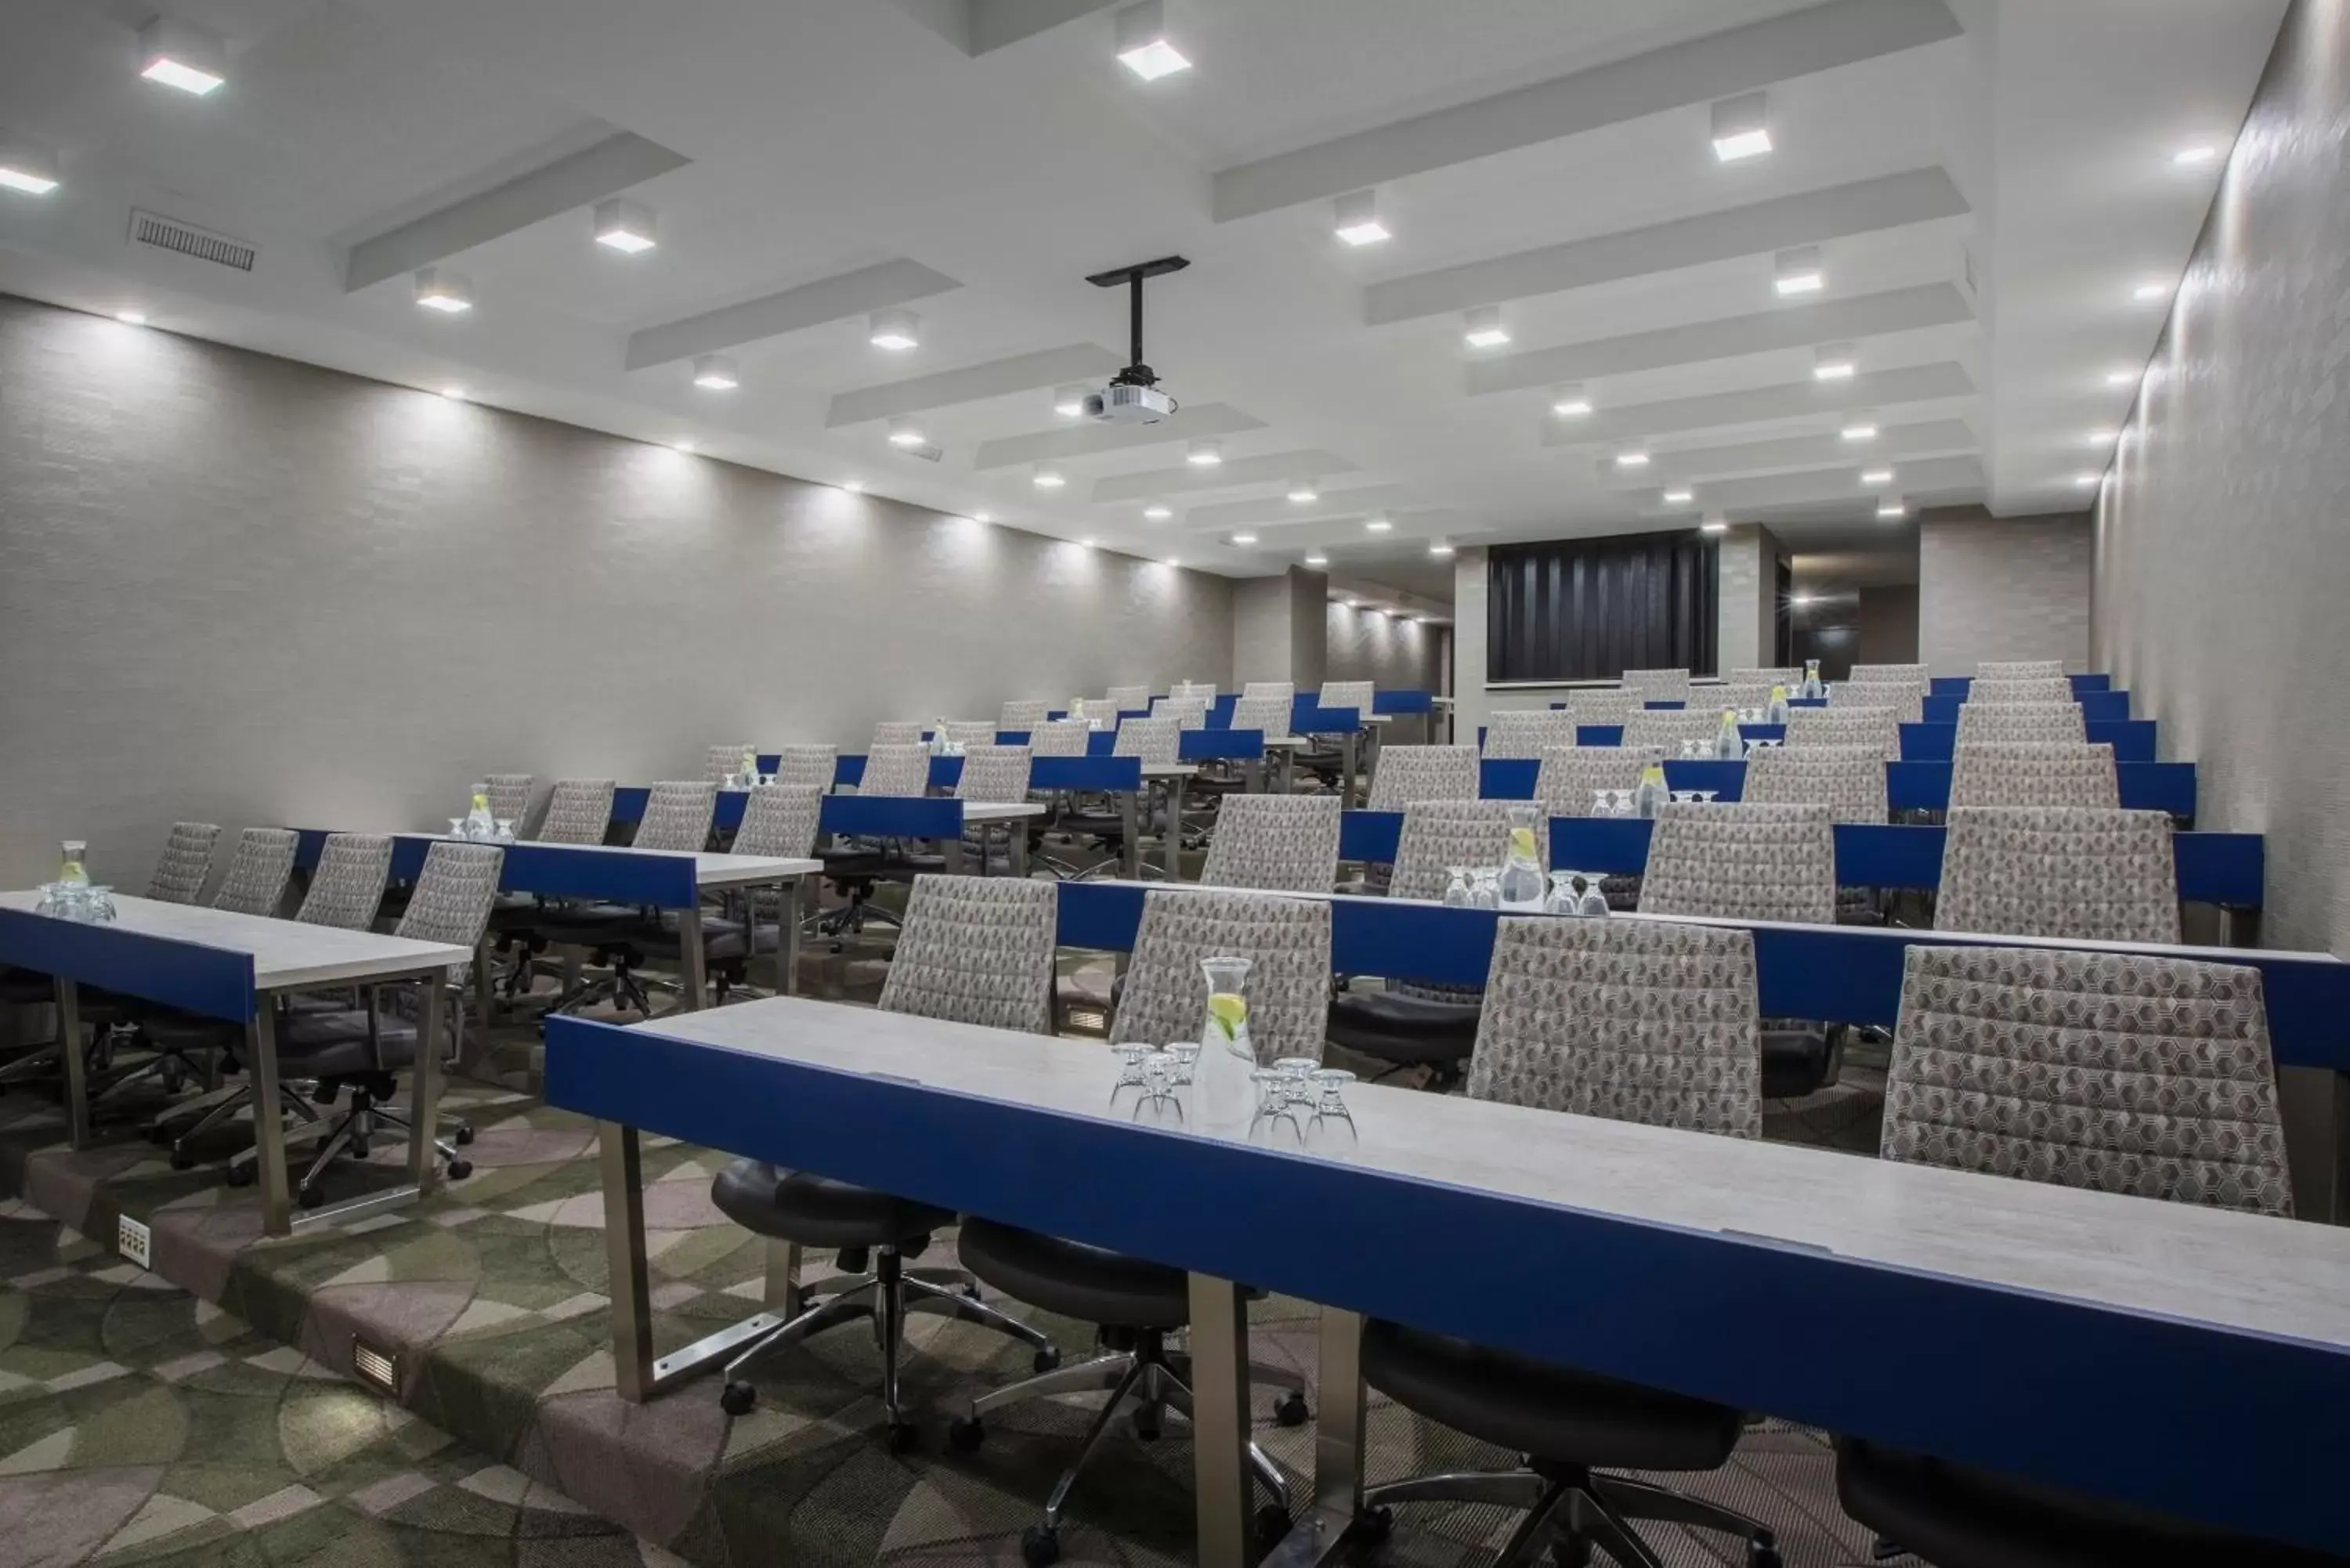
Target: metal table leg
[76, 1066]
[425, 1086]
[1346, 773]
[269, 1118]
[1175, 828]
[482, 988]
[1320, 1532]
[695, 972]
[1130, 824]
[630, 1284]
[787, 935]
[1220, 1428]
[1016, 846]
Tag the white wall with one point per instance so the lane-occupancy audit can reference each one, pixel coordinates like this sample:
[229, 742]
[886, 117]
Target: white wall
[2013, 588]
[1394, 652]
[243, 590]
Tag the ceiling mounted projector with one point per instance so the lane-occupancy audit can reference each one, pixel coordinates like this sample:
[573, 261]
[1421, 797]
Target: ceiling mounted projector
[1133, 396]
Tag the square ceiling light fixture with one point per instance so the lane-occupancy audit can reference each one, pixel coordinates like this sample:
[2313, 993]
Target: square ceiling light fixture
[1144, 45]
[1571, 402]
[178, 55]
[1304, 492]
[1679, 495]
[907, 432]
[1859, 426]
[1070, 400]
[1892, 508]
[1205, 453]
[716, 372]
[1797, 272]
[1835, 362]
[439, 289]
[1048, 478]
[1480, 328]
[1741, 127]
[1715, 522]
[1359, 219]
[895, 330]
[27, 166]
[624, 226]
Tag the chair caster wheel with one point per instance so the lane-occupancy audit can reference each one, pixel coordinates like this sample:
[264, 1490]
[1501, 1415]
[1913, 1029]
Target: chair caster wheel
[738, 1398]
[464, 1134]
[1272, 1524]
[965, 1436]
[1040, 1545]
[182, 1160]
[904, 1437]
[1046, 1359]
[1290, 1409]
[971, 1293]
[159, 1134]
[1762, 1554]
[310, 1198]
[242, 1175]
[459, 1168]
[1376, 1524]
[1144, 1431]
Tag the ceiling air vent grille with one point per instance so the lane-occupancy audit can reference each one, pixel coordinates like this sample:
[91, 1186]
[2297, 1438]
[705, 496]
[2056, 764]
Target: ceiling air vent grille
[186, 239]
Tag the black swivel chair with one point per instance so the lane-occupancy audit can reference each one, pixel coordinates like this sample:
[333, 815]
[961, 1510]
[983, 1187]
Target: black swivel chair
[856, 867]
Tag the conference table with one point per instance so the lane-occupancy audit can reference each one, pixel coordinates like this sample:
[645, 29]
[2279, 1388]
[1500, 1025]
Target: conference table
[1909, 787]
[2178, 1357]
[233, 968]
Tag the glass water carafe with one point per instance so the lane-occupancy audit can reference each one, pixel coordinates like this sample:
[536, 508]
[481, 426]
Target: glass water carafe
[1650, 795]
[478, 821]
[1812, 687]
[1775, 713]
[73, 863]
[1728, 745]
[1523, 885]
[1219, 1078]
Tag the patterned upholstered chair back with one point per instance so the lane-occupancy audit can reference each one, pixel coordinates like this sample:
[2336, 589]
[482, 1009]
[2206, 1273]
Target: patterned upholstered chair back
[510, 797]
[1205, 690]
[1284, 690]
[1736, 695]
[1572, 775]
[1668, 728]
[257, 872]
[451, 903]
[721, 761]
[1129, 699]
[1743, 862]
[1286, 941]
[1849, 780]
[807, 767]
[1275, 844]
[2006, 693]
[994, 775]
[577, 812]
[676, 817]
[1906, 698]
[2022, 723]
[1408, 774]
[1637, 1020]
[1604, 705]
[1354, 694]
[976, 950]
[346, 885]
[1906, 674]
[2059, 871]
[899, 732]
[896, 770]
[1152, 740]
[1190, 712]
[780, 820]
[1265, 712]
[1021, 715]
[1439, 835]
[1787, 675]
[2113, 1072]
[1067, 738]
[1990, 773]
[1520, 733]
[2019, 670]
[1877, 728]
[970, 733]
[186, 862]
[1658, 685]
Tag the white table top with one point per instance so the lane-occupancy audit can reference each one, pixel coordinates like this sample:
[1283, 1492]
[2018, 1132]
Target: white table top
[2242, 1271]
[1000, 811]
[286, 955]
[1169, 770]
[708, 870]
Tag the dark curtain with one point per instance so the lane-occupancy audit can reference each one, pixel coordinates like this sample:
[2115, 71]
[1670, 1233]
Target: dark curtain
[1589, 610]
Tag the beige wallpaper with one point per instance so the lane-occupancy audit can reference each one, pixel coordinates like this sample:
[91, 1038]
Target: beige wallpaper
[2012, 588]
[244, 591]
[1394, 652]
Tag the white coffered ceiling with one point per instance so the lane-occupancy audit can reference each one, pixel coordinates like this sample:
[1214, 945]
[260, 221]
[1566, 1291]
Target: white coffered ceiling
[1987, 181]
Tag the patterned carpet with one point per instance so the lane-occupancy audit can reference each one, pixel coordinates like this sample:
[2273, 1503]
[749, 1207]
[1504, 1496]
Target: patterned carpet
[138, 1403]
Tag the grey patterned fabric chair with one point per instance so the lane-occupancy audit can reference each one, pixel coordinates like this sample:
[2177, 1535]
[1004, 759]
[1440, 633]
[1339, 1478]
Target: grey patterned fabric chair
[1988, 773]
[1906, 698]
[1879, 728]
[1020, 715]
[1787, 675]
[1265, 712]
[510, 798]
[1063, 738]
[807, 767]
[1906, 674]
[619, 937]
[1441, 834]
[2007, 693]
[1152, 740]
[1355, 694]
[1284, 691]
[856, 865]
[678, 814]
[1275, 844]
[1738, 696]
[721, 763]
[1639, 1021]
[1658, 685]
[970, 733]
[346, 886]
[2022, 723]
[1188, 712]
[2126, 1073]
[1670, 729]
[896, 770]
[1849, 780]
[1411, 773]
[2059, 871]
[1138, 1304]
[257, 872]
[186, 863]
[993, 774]
[781, 821]
[1572, 776]
[579, 811]
[2019, 670]
[1520, 733]
[898, 732]
[1596, 705]
[1129, 699]
[975, 950]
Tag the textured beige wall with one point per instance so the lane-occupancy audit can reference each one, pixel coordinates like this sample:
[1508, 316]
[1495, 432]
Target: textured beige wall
[244, 591]
[1746, 600]
[2002, 588]
[1394, 652]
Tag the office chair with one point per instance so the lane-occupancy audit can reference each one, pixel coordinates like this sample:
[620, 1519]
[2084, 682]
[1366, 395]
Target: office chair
[1849, 780]
[1137, 1303]
[1572, 776]
[1658, 685]
[1988, 772]
[1275, 844]
[1151, 742]
[1520, 733]
[510, 798]
[1188, 712]
[1844, 725]
[2068, 872]
[1786, 675]
[2024, 723]
[2021, 670]
[992, 775]
[1738, 696]
[1637, 1020]
[2005, 693]
[1267, 712]
[2117, 1072]
[1670, 729]
[1328, 756]
[1407, 775]
[974, 951]
[1908, 674]
[1286, 690]
[1055, 738]
[780, 821]
[1059, 738]
[722, 763]
[969, 733]
[1267, 715]
[1600, 705]
[1755, 862]
[579, 811]
[186, 864]
[898, 732]
[1409, 1023]
[1021, 715]
[855, 867]
[1129, 699]
[807, 767]
[677, 818]
[1906, 698]
[366, 1049]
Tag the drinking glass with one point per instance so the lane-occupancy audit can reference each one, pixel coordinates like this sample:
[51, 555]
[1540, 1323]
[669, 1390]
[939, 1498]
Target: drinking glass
[1187, 1060]
[1459, 894]
[1130, 1072]
[1593, 904]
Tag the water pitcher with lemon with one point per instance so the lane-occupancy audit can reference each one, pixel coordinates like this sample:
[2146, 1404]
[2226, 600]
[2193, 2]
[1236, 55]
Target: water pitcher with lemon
[1220, 1079]
[1523, 884]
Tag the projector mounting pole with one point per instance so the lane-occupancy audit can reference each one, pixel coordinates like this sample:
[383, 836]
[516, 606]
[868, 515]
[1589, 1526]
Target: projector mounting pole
[1137, 374]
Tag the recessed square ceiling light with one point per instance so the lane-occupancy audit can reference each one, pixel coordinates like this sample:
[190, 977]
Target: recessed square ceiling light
[27, 166]
[624, 226]
[2195, 157]
[1892, 507]
[1741, 127]
[1872, 477]
[2087, 481]
[907, 432]
[1144, 47]
[1304, 492]
[1204, 454]
[1835, 362]
[1481, 327]
[1798, 271]
[449, 293]
[2120, 377]
[1173, 564]
[2100, 438]
[1086, 544]
[684, 446]
[1377, 526]
[1359, 219]
[1713, 526]
[1859, 430]
[1679, 495]
[1634, 458]
[2145, 293]
[1048, 479]
[131, 317]
[983, 516]
[1159, 514]
[1440, 548]
[1571, 402]
[1244, 538]
[1318, 559]
[178, 55]
[895, 330]
[1069, 400]
[717, 373]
